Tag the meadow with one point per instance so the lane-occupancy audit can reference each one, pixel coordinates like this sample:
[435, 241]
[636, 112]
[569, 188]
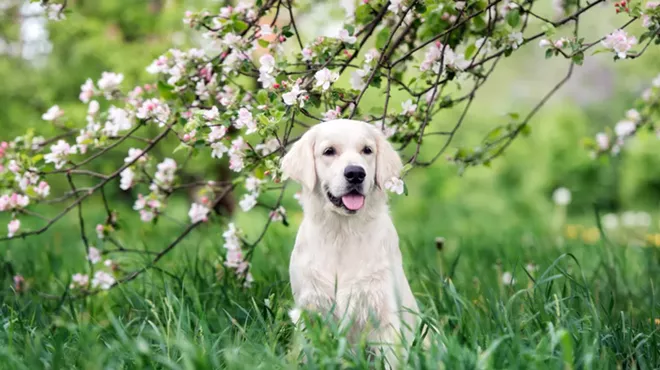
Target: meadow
[497, 297]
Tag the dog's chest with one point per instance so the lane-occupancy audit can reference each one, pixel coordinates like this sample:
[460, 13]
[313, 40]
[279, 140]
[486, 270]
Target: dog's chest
[353, 272]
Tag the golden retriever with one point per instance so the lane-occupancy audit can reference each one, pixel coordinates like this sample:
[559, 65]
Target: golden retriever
[346, 256]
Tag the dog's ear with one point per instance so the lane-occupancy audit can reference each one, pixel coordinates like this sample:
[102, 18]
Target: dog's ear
[388, 162]
[298, 163]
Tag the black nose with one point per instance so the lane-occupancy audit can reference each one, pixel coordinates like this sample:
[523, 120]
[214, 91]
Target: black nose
[354, 174]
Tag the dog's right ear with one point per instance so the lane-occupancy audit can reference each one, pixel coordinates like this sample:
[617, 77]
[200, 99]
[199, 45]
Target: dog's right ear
[298, 163]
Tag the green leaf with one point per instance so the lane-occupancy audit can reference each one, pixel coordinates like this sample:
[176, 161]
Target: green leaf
[263, 43]
[548, 53]
[406, 168]
[515, 116]
[494, 134]
[350, 29]
[363, 14]
[469, 52]
[479, 23]
[382, 37]
[405, 189]
[601, 50]
[165, 90]
[549, 29]
[240, 26]
[513, 18]
[180, 147]
[578, 58]
[525, 129]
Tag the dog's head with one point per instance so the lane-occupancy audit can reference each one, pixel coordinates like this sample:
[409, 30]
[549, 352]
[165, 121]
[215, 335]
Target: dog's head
[343, 161]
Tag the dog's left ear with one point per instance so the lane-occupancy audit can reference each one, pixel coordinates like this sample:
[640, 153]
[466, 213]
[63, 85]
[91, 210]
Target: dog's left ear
[388, 162]
[298, 163]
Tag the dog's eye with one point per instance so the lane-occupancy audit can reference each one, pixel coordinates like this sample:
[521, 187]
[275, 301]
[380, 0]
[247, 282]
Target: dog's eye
[367, 150]
[330, 151]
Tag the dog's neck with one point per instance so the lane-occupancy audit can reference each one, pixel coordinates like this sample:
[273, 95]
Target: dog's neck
[318, 209]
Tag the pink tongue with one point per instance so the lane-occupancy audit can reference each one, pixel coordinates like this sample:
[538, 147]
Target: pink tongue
[353, 201]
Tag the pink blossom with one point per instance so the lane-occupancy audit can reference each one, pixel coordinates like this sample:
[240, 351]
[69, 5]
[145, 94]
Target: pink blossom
[198, 213]
[278, 214]
[135, 154]
[100, 231]
[93, 108]
[408, 108]
[160, 65]
[59, 153]
[325, 77]
[19, 283]
[625, 128]
[13, 166]
[86, 91]
[127, 176]
[12, 227]
[43, 189]
[268, 147]
[395, 185]
[265, 30]
[332, 114]
[395, 6]
[53, 113]
[102, 280]
[79, 280]
[94, 255]
[245, 119]
[344, 36]
[603, 141]
[154, 108]
[294, 95]
[147, 216]
[54, 11]
[110, 82]
[357, 78]
[248, 202]
[211, 114]
[619, 42]
[307, 54]
[218, 149]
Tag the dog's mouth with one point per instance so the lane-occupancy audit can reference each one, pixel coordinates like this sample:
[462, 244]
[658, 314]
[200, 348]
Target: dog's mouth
[352, 201]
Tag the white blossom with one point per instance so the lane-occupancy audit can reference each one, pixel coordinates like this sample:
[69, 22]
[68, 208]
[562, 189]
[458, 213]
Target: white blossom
[395, 185]
[198, 213]
[53, 113]
[126, 179]
[561, 196]
[12, 227]
[248, 202]
[325, 78]
[94, 255]
[346, 37]
[102, 280]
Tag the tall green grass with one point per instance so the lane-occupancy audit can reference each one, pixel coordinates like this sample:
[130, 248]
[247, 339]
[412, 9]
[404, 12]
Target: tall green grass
[580, 307]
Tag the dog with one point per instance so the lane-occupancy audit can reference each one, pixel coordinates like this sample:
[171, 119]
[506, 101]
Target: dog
[346, 257]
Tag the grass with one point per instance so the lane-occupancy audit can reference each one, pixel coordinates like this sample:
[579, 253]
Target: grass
[584, 306]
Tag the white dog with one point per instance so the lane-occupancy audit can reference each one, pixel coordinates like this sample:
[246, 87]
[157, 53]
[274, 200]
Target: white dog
[346, 256]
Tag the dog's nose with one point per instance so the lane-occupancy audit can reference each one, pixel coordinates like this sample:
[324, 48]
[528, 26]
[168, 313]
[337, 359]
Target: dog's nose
[354, 174]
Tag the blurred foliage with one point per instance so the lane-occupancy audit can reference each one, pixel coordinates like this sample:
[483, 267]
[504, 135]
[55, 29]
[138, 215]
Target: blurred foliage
[126, 35]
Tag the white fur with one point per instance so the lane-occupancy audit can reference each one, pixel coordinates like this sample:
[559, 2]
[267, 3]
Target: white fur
[350, 261]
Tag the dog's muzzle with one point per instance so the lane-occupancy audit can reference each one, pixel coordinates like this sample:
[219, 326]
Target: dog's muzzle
[352, 200]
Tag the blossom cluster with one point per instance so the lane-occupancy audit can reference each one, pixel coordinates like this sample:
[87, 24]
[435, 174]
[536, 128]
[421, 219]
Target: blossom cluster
[255, 86]
[644, 115]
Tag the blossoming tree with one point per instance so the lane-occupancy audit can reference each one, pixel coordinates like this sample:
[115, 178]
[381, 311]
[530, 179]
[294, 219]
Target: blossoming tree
[264, 83]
